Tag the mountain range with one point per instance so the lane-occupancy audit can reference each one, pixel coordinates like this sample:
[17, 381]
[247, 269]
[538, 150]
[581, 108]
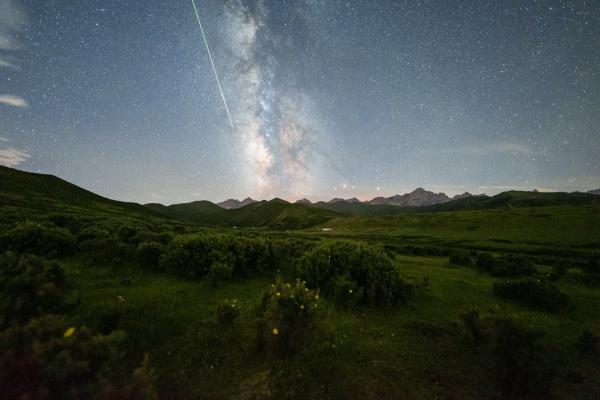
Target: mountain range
[417, 198]
[24, 192]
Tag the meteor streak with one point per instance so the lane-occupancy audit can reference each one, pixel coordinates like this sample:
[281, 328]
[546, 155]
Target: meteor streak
[213, 66]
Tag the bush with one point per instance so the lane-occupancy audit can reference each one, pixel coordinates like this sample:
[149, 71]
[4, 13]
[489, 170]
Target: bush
[507, 266]
[38, 239]
[51, 359]
[148, 254]
[462, 258]
[519, 365]
[30, 287]
[219, 272]
[473, 326]
[368, 268]
[227, 312]
[533, 293]
[286, 317]
[346, 293]
[192, 256]
[105, 251]
[587, 342]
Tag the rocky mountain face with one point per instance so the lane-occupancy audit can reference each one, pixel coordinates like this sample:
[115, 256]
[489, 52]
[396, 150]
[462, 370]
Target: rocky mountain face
[304, 201]
[231, 204]
[417, 198]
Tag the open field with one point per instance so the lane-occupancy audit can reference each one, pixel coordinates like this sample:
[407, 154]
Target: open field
[492, 303]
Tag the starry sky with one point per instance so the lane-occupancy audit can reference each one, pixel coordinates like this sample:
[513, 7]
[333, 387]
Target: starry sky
[327, 98]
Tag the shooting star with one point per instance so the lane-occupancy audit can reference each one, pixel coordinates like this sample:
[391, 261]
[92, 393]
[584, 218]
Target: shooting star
[213, 66]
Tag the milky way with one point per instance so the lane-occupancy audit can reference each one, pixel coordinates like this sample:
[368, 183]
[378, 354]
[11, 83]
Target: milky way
[327, 98]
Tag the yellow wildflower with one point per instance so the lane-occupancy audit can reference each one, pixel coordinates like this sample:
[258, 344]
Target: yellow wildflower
[69, 332]
[349, 290]
[302, 306]
[275, 331]
[278, 294]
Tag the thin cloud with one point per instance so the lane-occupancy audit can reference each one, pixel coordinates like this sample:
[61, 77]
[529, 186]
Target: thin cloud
[10, 157]
[12, 19]
[14, 101]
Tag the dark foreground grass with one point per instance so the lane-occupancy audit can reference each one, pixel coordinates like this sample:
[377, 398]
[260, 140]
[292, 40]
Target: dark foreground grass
[416, 351]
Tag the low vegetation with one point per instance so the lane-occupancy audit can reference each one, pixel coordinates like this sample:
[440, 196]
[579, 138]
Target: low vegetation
[109, 300]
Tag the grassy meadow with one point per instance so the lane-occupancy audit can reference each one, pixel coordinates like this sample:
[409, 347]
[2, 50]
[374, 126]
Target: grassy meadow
[109, 300]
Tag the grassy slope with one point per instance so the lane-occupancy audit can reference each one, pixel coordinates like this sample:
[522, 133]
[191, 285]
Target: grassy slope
[196, 211]
[572, 229]
[417, 351]
[30, 193]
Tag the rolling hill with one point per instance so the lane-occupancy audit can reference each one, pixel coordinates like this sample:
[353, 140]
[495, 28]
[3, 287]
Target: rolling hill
[516, 199]
[26, 192]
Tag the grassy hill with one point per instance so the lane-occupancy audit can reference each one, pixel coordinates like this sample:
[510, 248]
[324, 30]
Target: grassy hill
[196, 211]
[25, 193]
[513, 199]
[354, 208]
[275, 214]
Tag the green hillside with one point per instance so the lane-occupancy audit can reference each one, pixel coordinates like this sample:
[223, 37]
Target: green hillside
[24, 193]
[513, 198]
[196, 211]
[353, 208]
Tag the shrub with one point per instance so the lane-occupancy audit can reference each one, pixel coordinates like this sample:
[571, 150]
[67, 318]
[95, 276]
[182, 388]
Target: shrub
[38, 239]
[105, 251]
[227, 312]
[286, 317]
[461, 257]
[219, 272]
[148, 254]
[519, 366]
[51, 359]
[587, 342]
[507, 266]
[346, 293]
[30, 287]
[532, 292]
[192, 256]
[473, 326]
[372, 271]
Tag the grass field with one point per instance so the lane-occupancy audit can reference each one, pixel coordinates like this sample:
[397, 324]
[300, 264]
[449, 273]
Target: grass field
[414, 305]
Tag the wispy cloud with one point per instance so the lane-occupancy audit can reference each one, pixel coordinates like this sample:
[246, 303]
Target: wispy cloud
[12, 19]
[10, 157]
[15, 101]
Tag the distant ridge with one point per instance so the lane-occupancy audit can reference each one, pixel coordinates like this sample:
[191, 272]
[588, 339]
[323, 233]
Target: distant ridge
[417, 198]
[231, 204]
[597, 191]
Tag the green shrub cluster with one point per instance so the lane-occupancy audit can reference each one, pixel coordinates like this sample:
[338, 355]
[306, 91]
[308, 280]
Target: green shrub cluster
[41, 239]
[30, 287]
[193, 256]
[516, 360]
[286, 316]
[417, 250]
[366, 270]
[227, 312]
[507, 266]
[532, 292]
[42, 354]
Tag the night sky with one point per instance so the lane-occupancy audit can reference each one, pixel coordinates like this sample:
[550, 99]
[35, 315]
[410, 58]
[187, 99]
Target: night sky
[327, 98]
